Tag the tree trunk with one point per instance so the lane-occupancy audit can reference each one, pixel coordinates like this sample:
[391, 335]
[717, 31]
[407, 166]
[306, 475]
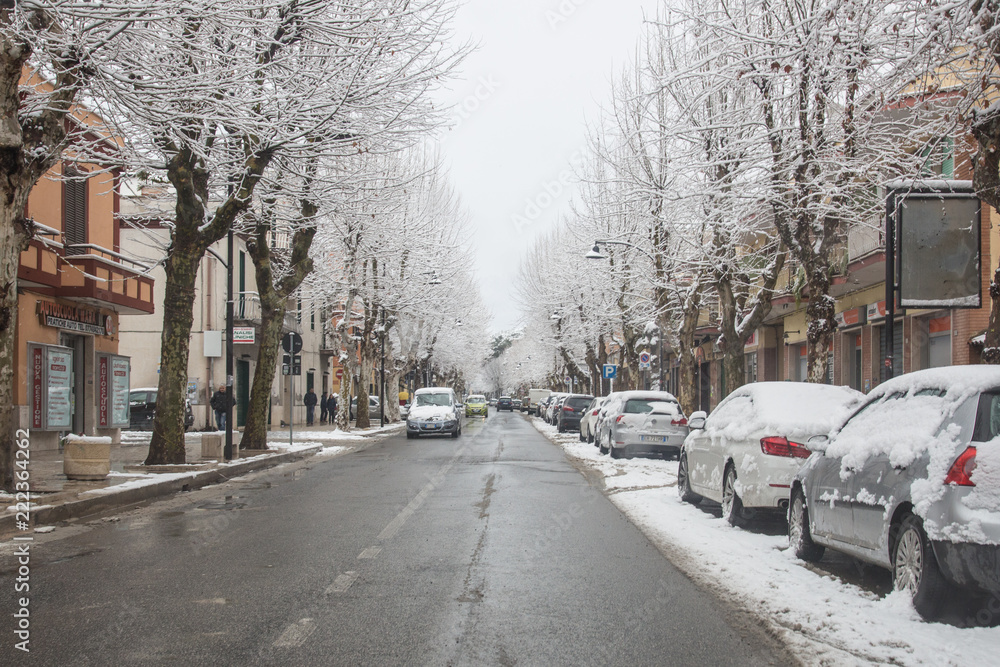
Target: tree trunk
[363, 419]
[687, 362]
[13, 239]
[819, 333]
[272, 318]
[167, 444]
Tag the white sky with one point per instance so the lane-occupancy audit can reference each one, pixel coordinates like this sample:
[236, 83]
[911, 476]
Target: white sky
[543, 68]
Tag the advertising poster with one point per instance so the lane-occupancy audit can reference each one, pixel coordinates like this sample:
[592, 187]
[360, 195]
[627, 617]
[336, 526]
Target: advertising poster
[59, 372]
[119, 390]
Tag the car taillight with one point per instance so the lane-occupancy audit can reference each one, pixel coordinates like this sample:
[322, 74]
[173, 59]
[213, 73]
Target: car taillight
[594, 413]
[777, 446]
[960, 473]
[568, 409]
[618, 419]
[679, 422]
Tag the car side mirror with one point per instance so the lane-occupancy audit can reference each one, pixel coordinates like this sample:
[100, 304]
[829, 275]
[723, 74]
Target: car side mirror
[818, 440]
[697, 419]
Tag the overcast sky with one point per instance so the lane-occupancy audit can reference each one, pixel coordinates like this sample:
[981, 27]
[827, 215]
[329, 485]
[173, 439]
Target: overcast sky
[542, 69]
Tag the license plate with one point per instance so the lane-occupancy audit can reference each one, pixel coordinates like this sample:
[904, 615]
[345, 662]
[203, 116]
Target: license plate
[652, 438]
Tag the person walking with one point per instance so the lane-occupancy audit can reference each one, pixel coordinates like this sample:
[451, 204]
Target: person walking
[310, 402]
[218, 404]
[323, 408]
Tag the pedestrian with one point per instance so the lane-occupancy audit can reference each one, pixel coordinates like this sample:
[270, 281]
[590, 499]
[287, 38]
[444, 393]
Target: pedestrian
[332, 407]
[323, 408]
[218, 404]
[310, 402]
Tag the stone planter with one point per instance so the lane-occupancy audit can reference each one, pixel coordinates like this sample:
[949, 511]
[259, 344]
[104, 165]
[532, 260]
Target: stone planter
[86, 458]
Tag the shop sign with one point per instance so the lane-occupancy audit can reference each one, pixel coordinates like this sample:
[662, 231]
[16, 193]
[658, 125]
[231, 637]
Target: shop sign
[849, 318]
[74, 318]
[244, 335]
[58, 398]
[37, 392]
[876, 311]
[112, 390]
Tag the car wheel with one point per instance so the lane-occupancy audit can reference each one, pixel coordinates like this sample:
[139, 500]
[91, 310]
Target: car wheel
[410, 436]
[915, 569]
[799, 538]
[456, 433]
[615, 453]
[561, 428]
[732, 506]
[684, 482]
[582, 439]
[600, 446]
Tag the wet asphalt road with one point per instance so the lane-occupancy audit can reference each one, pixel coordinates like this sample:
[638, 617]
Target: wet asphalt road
[490, 549]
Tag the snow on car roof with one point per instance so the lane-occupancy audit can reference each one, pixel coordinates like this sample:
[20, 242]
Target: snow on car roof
[791, 409]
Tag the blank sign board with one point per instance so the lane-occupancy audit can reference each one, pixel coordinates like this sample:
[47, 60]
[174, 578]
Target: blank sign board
[939, 251]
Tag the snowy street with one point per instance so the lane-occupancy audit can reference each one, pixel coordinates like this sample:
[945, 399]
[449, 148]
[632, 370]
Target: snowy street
[835, 612]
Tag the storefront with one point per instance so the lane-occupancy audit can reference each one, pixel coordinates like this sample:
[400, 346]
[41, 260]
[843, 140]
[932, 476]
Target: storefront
[70, 376]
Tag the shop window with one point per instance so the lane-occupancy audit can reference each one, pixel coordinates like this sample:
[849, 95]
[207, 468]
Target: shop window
[750, 364]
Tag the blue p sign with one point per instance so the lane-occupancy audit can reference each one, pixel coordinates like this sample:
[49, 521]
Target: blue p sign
[609, 371]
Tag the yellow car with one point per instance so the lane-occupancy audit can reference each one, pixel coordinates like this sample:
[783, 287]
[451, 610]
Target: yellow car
[475, 404]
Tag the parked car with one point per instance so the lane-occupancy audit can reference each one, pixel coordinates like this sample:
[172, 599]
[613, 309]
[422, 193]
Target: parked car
[475, 404]
[542, 404]
[909, 482]
[642, 422]
[373, 407]
[142, 409]
[551, 404]
[505, 403]
[589, 419]
[745, 454]
[567, 418]
[517, 404]
[435, 410]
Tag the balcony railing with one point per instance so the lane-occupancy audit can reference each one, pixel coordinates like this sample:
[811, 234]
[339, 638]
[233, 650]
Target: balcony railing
[246, 307]
[864, 240]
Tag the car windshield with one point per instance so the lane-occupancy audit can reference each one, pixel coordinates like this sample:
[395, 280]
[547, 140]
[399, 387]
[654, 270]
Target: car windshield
[433, 399]
[476, 399]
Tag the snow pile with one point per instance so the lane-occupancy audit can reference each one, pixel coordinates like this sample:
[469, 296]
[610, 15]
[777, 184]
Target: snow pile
[790, 409]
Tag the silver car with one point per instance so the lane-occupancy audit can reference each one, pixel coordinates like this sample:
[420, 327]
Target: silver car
[642, 422]
[589, 420]
[909, 482]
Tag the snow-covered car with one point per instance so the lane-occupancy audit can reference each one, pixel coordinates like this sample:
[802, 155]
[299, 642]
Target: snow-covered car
[435, 410]
[911, 482]
[550, 407]
[746, 453]
[589, 419]
[475, 404]
[642, 422]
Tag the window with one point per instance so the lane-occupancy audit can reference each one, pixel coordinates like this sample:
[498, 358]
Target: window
[751, 367]
[74, 211]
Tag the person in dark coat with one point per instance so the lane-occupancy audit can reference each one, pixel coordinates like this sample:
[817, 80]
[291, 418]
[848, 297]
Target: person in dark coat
[310, 401]
[323, 408]
[218, 403]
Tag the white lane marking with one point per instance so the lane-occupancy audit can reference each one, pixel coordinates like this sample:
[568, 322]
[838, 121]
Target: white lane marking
[342, 583]
[370, 552]
[296, 634]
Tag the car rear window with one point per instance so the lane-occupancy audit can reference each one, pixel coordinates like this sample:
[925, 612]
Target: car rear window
[638, 406]
[579, 403]
[987, 417]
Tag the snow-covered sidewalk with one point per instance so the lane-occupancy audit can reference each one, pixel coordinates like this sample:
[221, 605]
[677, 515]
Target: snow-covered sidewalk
[823, 619]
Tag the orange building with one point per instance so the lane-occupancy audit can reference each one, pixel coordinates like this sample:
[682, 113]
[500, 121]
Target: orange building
[73, 284]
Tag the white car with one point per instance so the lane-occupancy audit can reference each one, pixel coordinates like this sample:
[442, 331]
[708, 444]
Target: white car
[641, 422]
[745, 455]
[434, 411]
[589, 419]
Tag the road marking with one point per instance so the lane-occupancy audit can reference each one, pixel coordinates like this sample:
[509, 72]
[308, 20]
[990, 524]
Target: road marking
[342, 583]
[370, 552]
[296, 634]
[393, 526]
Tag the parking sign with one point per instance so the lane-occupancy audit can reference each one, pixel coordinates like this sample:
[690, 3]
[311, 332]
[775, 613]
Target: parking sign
[610, 371]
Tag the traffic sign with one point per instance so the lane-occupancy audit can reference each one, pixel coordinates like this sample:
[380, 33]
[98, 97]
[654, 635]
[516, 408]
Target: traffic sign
[644, 360]
[291, 342]
[609, 371]
[339, 373]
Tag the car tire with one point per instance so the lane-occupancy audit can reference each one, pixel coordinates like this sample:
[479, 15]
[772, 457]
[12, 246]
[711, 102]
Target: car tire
[560, 428]
[732, 506]
[456, 433]
[684, 482]
[582, 439]
[615, 453]
[410, 436]
[915, 569]
[600, 446]
[799, 538]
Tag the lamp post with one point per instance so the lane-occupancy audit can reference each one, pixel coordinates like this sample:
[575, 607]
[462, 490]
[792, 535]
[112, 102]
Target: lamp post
[381, 388]
[227, 451]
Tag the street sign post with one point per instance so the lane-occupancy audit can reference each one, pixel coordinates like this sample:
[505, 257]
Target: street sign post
[291, 343]
[644, 361]
[609, 372]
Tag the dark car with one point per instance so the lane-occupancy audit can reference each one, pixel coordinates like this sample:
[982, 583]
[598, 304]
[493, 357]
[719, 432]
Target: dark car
[142, 409]
[505, 403]
[567, 418]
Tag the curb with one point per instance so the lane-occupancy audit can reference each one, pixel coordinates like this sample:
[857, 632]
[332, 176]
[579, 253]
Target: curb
[105, 501]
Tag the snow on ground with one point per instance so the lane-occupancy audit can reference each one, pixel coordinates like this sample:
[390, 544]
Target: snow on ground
[821, 618]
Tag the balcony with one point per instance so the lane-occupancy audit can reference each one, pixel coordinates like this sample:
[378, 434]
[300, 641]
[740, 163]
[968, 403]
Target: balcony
[87, 273]
[246, 308]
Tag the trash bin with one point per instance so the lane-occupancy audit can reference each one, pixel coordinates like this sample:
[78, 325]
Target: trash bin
[86, 458]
